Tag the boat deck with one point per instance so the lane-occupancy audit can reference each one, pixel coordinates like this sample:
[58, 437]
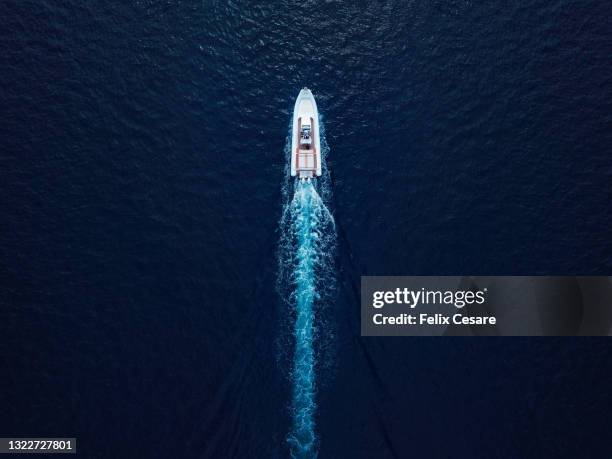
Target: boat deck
[306, 158]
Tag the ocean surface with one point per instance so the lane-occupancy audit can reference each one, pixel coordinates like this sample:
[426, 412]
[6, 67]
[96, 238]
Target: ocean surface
[143, 181]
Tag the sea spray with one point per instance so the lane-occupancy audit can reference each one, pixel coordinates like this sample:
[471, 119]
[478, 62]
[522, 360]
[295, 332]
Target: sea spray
[306, 283]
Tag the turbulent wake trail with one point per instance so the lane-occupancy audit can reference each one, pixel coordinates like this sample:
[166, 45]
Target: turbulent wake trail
[303, 206]
[307, 243]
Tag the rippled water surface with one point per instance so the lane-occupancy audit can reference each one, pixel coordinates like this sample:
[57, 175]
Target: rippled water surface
[141, 173]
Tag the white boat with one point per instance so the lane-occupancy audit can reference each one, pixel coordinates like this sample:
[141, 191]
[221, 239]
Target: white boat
[305, 139]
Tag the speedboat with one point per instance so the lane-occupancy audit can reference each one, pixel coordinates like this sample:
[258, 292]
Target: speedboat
[305, 139]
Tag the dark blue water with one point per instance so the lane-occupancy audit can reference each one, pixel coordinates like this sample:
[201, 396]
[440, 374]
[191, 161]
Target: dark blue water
[141, 183]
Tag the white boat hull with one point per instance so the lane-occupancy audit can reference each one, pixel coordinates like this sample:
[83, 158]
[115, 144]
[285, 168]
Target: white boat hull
[305, 138]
